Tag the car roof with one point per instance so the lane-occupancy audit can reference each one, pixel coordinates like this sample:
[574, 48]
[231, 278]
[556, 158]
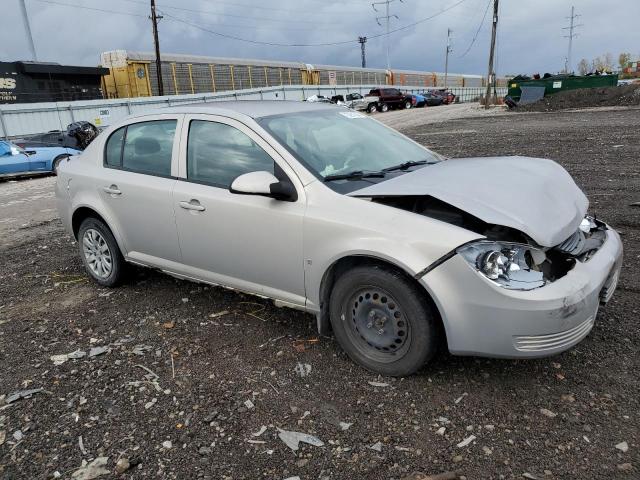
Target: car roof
[251, 108]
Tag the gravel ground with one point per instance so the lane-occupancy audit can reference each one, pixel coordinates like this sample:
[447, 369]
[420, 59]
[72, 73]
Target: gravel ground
[190, 375]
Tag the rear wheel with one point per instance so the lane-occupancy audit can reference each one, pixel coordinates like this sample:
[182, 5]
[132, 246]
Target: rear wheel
[407, 105]
[384, 107]
[56, 162]
[372, 108]
[381, 320]
[100, 253]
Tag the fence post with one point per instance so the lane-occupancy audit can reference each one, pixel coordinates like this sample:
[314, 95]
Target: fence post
[5, 134]
[73, 119]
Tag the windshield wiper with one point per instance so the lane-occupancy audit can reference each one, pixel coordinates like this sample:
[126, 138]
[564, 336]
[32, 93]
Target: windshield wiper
[405, 166]
[354, 175]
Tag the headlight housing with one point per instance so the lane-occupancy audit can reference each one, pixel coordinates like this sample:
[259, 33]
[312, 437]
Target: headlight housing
[510, 265]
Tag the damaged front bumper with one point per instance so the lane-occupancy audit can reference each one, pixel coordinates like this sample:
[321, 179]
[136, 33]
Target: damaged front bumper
[481, 318]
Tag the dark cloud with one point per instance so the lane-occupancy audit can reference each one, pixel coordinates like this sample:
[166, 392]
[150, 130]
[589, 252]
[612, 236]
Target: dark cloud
[530, 32]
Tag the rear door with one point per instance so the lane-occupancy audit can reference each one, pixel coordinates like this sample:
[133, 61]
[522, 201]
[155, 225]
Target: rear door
[249, 242]
[136, 186]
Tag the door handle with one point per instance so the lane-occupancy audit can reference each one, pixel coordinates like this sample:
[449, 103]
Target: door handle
[112, 190]
[192, 205]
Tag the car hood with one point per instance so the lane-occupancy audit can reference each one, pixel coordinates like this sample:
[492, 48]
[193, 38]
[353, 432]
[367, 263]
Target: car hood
[533, 195]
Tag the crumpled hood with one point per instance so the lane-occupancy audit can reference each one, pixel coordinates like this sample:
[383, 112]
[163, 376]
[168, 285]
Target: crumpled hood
[533, 195]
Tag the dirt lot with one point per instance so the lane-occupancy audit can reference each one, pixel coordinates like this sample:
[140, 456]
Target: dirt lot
[191, 374]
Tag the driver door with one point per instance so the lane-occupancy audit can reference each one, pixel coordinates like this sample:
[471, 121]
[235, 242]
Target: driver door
[12, 160]
[249, 242]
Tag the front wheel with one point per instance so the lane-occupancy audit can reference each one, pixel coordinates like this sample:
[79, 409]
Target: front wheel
[384, 107]
[381, 320]
[372, 108]
[100, 253]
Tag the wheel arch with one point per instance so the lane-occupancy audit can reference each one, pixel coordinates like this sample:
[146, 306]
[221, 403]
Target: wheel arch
[58, 158]
[342, 264]
[83, 212]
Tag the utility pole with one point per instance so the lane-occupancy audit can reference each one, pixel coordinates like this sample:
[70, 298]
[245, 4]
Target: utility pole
[27, 27]
[491, 75]
[446, 61]
[362, 41]
[154, 20]
[568, 67]
[387, 17]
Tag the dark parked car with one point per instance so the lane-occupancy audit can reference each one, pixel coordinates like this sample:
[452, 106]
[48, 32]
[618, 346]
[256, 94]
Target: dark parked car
[447, 96]
[78, 135]
[432, 99]
[389, 98]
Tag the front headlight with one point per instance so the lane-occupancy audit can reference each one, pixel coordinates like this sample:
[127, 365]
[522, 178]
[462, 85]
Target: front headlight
[510, 265]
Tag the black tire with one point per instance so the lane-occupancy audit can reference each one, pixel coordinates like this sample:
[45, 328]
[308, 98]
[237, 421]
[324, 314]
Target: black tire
[407, 105]
[372, 108]
[56, 162]
[383, 108]
[411, 329]
[118, 269]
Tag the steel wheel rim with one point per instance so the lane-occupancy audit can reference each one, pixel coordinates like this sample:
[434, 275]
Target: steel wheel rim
[97, 253]
[377, 326]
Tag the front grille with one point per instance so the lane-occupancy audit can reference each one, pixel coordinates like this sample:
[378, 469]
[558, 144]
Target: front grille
[553, 341]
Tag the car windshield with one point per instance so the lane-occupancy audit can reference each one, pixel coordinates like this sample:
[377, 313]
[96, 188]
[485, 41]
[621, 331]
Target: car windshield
[337, 141]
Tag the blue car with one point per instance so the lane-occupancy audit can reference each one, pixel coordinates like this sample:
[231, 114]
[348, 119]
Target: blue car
[16, 161]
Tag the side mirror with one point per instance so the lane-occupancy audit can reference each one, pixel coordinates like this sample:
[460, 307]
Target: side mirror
[265, 184]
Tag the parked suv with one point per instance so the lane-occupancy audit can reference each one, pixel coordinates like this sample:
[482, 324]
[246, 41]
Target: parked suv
[387, 98]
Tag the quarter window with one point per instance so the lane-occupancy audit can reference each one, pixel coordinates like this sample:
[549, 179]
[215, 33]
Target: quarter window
[113, 152]
[218, 153]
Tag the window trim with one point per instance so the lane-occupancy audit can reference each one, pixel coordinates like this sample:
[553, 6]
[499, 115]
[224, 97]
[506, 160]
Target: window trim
[176, 139]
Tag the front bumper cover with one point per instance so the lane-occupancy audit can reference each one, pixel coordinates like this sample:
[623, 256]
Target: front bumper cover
[481, 318]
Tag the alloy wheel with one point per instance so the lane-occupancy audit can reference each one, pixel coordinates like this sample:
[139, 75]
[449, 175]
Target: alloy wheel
[97, 253]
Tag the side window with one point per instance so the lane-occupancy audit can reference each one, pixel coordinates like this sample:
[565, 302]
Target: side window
[218, 153]
[113, 151]
[148, 147]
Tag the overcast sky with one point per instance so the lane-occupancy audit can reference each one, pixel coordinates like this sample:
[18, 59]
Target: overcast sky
[530, 35]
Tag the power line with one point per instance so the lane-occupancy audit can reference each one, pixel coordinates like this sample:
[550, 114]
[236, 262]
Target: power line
[130, 14]
[475, 37]
[232, 15]
[256, 42]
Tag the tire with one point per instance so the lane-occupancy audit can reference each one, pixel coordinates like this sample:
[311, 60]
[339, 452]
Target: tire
[372, 108]
[384, 107]
[95, 237]
[56, 162]
[407, 105]
[382, 321]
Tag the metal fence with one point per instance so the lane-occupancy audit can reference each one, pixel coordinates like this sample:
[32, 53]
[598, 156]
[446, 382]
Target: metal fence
[17, 120]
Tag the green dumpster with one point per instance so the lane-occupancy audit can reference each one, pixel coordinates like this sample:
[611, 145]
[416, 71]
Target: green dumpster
[558, 83]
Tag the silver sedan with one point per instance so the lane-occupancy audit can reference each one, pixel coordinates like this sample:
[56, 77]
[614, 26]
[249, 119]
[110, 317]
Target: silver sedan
[393, 248]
